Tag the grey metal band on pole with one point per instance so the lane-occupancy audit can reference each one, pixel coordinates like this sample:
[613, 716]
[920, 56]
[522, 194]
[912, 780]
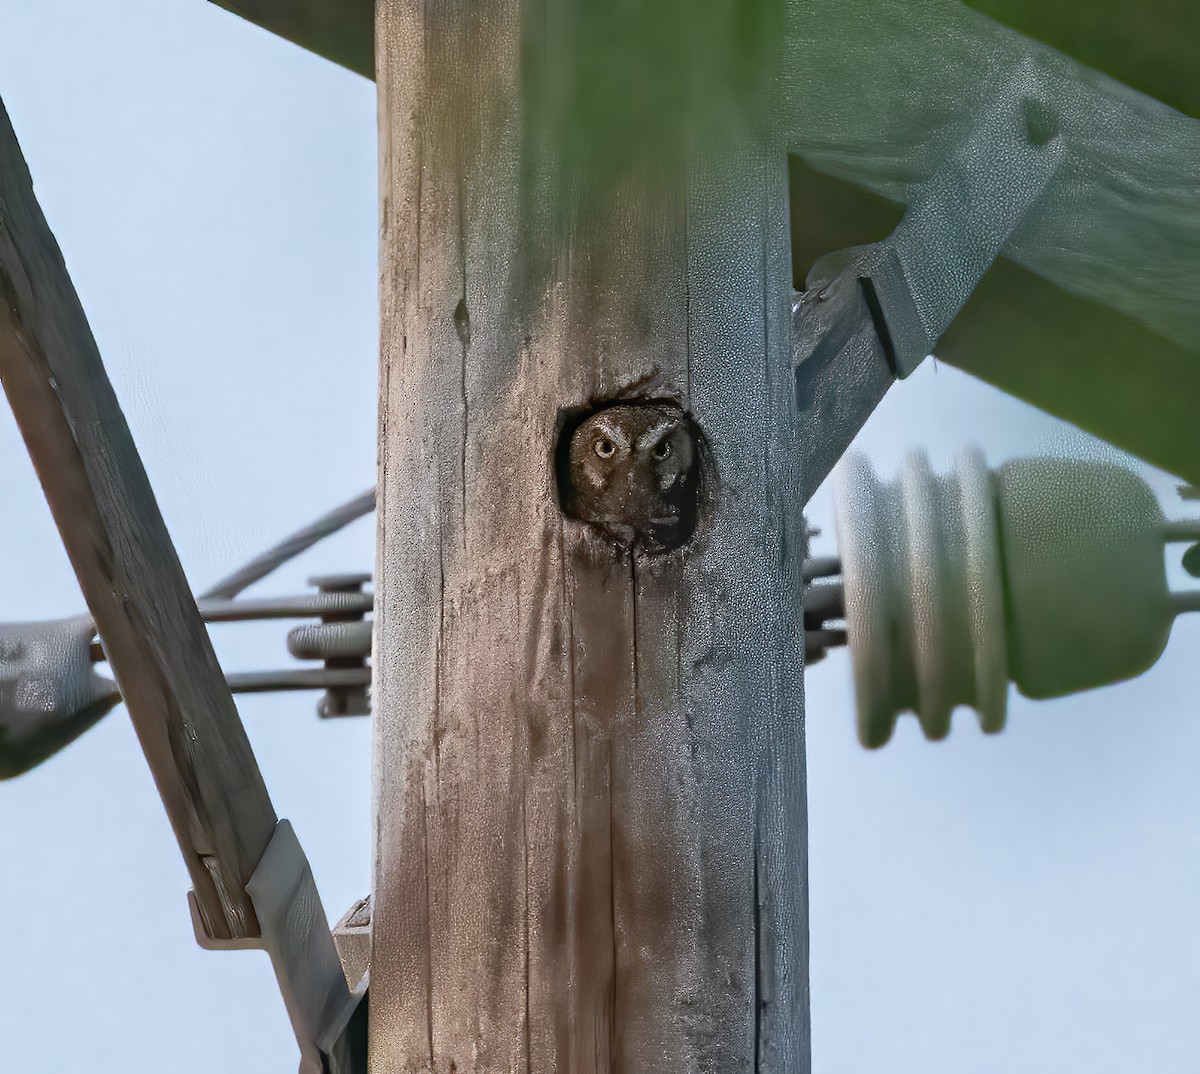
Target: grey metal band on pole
[873, 313]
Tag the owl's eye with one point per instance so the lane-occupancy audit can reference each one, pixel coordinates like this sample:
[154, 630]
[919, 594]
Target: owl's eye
[662, 450]
[605, 448]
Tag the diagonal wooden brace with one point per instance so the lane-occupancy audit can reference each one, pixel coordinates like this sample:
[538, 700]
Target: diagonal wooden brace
[246, 871]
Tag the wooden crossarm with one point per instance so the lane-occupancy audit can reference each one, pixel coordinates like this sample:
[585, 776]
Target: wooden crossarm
[340, 30]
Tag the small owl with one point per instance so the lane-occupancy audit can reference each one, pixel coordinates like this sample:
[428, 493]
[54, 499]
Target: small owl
[633, 473]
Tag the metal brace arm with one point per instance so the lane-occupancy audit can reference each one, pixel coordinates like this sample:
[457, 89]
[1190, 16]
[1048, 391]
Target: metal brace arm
[872, 313]
[328, 1019]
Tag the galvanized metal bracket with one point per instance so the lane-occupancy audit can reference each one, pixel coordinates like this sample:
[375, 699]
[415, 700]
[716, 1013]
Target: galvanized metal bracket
[329, 1019]
[352, 935]
[871, 314]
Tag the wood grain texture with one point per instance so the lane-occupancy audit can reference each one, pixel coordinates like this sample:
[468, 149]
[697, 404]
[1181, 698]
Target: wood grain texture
[589, 767]
[128, 570]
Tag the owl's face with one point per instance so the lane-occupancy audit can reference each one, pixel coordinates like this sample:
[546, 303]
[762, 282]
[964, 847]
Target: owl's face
[633, 473]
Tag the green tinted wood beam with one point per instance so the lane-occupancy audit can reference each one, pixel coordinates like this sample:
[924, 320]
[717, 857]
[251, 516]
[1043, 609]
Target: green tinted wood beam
[1150, 45]
[1100, 326]
[1070, 355]
[340, 30]
[1084, 362]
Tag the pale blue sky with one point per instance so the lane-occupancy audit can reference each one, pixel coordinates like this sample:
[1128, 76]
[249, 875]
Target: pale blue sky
[983, 906]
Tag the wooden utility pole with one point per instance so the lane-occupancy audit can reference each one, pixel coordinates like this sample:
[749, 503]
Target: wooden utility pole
[601, 412]
[589, 761]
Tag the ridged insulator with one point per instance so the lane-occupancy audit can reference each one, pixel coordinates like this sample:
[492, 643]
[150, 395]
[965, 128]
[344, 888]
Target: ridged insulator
[923, 594]
[1049, 573]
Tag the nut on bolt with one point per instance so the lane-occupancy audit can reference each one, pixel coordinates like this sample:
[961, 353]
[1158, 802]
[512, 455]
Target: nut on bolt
[340, 640]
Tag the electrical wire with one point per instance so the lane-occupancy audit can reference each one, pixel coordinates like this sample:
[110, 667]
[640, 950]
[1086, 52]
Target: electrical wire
[290, 547]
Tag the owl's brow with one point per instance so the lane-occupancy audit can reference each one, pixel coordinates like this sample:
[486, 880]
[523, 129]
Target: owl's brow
[658, 432]
[614, 432]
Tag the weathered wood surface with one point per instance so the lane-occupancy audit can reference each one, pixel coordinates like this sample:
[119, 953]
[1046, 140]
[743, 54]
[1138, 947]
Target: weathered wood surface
[130, 574]
[589, 765]
[1118, 224]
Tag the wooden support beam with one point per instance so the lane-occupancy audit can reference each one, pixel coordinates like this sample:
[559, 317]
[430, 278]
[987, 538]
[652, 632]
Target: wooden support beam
[1150, 45]
[340, 30]
[127, 567]
[1084, 362]
[589, 761]
[886, 129]
[882, 137]
[1099, 322]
